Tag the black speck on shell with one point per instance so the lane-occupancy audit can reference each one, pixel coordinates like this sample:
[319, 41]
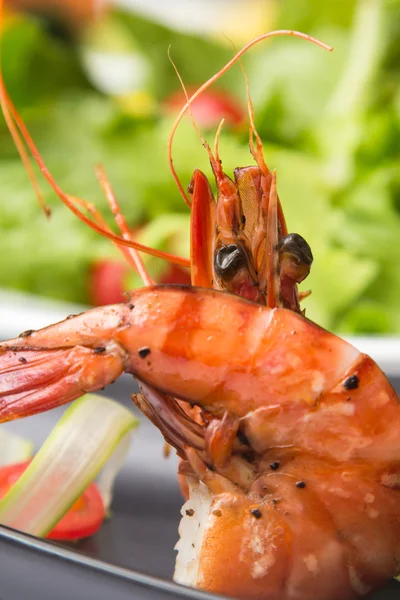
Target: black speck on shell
[26, 333]
[99, 350]
[275, 465]
[143, 352]
[256, 512]
[189, 512]
[301, 485]
[22, 359]
[352, 382]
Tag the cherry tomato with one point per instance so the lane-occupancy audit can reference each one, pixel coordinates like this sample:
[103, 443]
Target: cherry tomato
[82, 520]
[106, 282]
[209, 108]
[175, 274]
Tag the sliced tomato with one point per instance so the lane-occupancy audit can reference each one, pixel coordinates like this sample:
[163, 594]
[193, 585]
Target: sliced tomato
[82, 520]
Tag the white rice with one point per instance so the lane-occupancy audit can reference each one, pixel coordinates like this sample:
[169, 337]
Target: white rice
[191, 530]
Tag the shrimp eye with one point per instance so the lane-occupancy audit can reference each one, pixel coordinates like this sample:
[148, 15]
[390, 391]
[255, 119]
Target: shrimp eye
[228, 260]
[297, 246]
[295, 256]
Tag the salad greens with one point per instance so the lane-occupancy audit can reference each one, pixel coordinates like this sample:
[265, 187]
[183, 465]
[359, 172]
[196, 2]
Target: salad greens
[330, 124]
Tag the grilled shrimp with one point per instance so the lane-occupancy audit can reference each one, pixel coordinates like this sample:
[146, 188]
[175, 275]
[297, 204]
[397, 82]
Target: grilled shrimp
[302, 501]
[292, 449]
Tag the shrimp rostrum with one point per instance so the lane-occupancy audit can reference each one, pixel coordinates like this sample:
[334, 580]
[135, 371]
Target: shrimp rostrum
[289, 438]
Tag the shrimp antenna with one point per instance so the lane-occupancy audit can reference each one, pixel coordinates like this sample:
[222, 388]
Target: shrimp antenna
[131, 254]
[26, 161]
[215, 164]
[214, 78]
[18, 141]
[6, 103]
[13, 118]
[272, 270]
[258, 152]
[216, 141]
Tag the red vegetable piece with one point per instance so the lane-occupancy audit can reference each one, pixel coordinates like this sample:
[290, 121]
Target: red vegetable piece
[82, 520]
[106, 282]
[209, 108]
[175, 274]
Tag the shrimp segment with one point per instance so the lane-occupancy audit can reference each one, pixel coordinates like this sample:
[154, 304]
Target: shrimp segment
[309, 530]
[212, 349]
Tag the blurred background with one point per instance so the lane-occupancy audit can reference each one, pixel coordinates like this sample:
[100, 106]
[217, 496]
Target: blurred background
[93, 83]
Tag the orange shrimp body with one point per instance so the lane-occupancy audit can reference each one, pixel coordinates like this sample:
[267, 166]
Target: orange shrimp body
[307, 504]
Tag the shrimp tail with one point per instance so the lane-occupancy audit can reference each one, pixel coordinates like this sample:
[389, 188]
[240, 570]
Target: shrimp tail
[43, 369]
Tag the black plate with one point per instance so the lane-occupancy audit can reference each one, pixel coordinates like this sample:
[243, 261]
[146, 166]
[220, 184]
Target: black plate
[132, 556]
